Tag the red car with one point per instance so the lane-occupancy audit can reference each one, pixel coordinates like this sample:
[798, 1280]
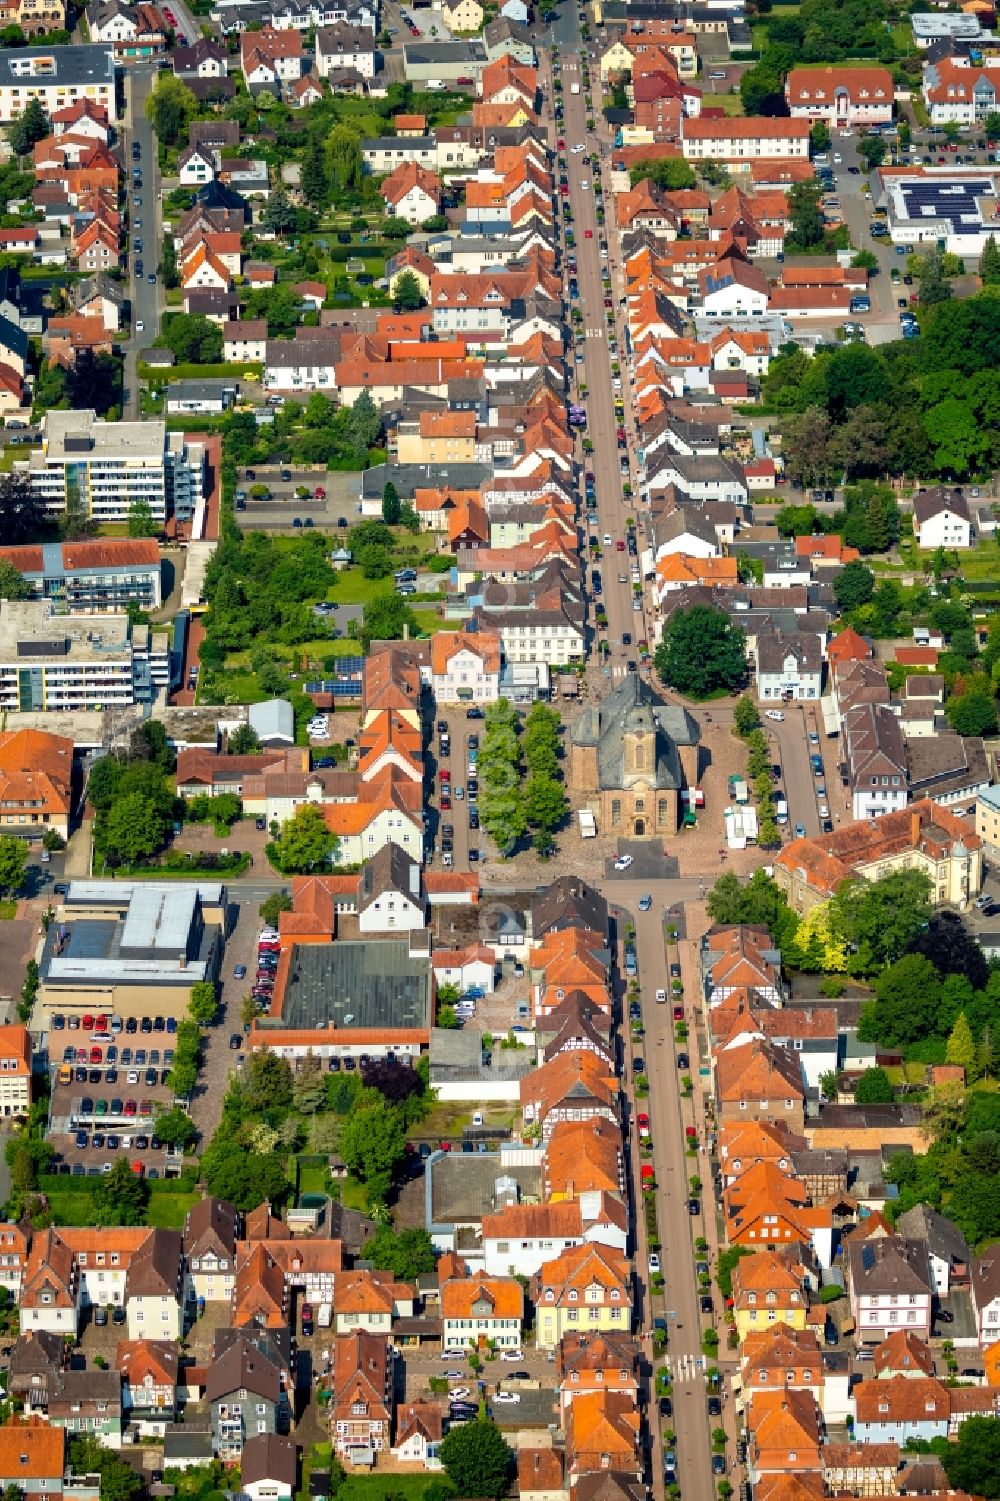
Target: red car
[445, 803]
[678, 1013]
[88, 1023]
[319, 493]
[561, 144]
[619, 545]
[138, 1168]
[445, 774]
[647, 1177]
[588, 234]
[97, 1055]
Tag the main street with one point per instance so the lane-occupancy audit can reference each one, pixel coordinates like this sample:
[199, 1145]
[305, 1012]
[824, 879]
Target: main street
[603, 463]
[147, 297]
[664, 1105]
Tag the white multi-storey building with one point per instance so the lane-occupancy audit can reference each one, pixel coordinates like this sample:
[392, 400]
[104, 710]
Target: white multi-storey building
[107, 467]
[57, 77]
[50, 661]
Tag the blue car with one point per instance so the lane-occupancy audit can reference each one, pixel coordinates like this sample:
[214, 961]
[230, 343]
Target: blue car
[800, 832]
[475, 993]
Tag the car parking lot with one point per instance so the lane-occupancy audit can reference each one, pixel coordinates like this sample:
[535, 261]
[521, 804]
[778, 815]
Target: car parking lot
[111, 1078]
[333, 509]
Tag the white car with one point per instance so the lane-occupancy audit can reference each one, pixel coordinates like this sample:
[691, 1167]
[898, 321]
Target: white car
[604, 252]
[453, 1352]
[139, 326]
[459, 1393]
[607, 539]
[654, 1263]
[774, 714]
[585, 186]
[507, 1397]
[661, 995]
[511, 1354]
[577, 149]
[623, 862]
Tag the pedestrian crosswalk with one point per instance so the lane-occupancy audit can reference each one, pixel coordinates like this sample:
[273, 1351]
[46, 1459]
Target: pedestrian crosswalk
[685, 1367]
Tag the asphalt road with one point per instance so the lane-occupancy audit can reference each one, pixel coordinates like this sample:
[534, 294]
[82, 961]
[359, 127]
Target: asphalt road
[147, 299]
[596, 369]
[668, 1116]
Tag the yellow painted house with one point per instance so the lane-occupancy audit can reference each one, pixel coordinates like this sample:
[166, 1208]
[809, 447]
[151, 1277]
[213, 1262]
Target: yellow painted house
[769, 1287]
[585, 1290]
[617, 59]
[463, 15]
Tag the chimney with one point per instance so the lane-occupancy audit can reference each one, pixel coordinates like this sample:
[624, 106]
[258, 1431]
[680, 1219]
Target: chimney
[914, 828]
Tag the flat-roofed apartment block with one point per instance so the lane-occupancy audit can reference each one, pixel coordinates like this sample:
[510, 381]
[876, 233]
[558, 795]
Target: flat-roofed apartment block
[104, 468]
[134, 948]
[58, 662]
[57, 77]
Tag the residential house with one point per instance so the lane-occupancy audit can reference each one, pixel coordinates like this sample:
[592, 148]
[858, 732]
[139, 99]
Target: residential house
[465, 667]
[771, 1287]
[900, 1408]
[412, 193]
[370, 1301]
[789, 667]
[947, 1248]
[985, 1288]
[875, 752]
[342, 49]
[902, 1353]
[841, 96]
[15, 1071]
[520, 1238]
[779, 1357]
[476, 1312]
[574, 1086]
[785, 1429]
[732, 288]
[744, 139]
[602, 1432]
[33, 1458]
[419, 1430]
[587, 1362]
[583, 1157]
[268, 1467]
[891, 1286]
[361, 1407]
[210, 1230]
[585, 1289]
[246, 1391]
[758, 1081]
[941, 518]
[149, 1374]
[463, 16]
[244, 339]
[541, 1474]
[87, 1402]
[270, 58]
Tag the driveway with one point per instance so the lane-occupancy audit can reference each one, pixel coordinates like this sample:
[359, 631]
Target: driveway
[219, 1058]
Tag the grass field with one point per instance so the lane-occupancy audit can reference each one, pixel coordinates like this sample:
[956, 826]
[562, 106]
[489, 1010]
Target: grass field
[169, 1211]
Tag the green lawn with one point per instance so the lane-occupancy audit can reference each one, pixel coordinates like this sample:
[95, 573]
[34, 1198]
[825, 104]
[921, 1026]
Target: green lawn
[169, 1211]
[383, 1487]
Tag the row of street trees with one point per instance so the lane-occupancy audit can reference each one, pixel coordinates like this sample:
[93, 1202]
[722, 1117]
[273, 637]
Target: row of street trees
[510, 802]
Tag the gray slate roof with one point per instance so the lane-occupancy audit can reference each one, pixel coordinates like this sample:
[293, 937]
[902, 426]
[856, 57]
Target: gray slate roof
[633, 707]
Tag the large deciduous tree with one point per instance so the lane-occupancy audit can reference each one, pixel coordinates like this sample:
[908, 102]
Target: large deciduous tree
[701, 652]
[478, 1459]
